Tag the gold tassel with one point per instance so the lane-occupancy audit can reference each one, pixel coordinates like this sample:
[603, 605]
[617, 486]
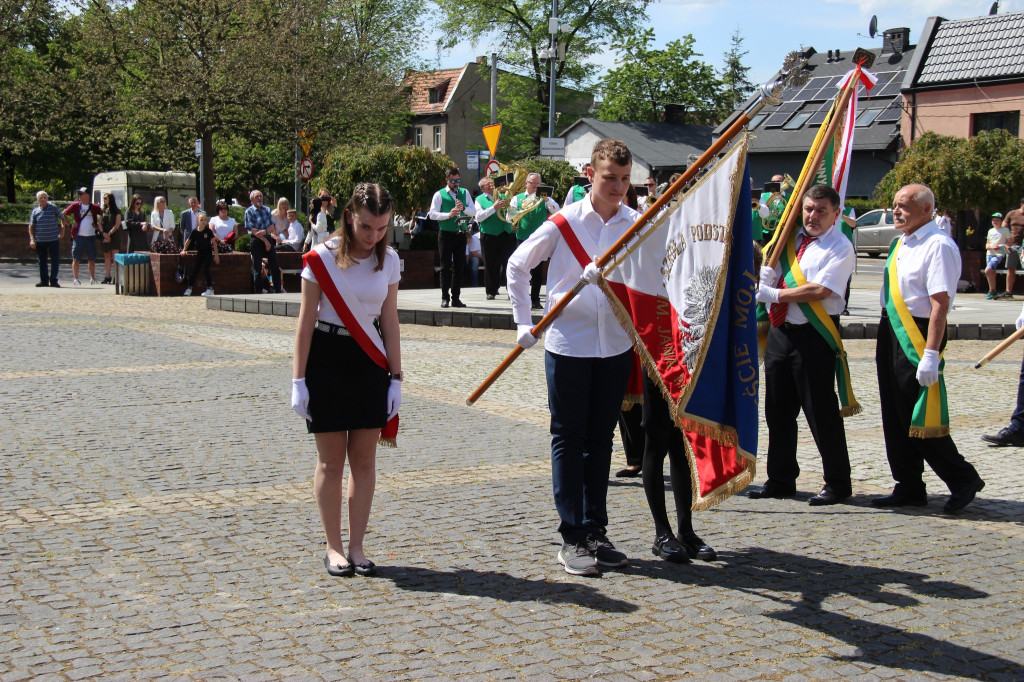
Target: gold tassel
[387, 442]
[725, 436]
[929, 431]
[726, 491]
[850, 410]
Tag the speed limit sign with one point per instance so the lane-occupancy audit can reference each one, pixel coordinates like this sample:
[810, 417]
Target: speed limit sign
[492, 168]
[306, 169]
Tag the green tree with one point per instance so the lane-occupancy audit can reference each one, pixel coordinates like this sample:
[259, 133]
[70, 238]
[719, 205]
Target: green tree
[412, 174]
[736, 86]
[937, 161]
[518, 29]
[554, 172]
[645, 80]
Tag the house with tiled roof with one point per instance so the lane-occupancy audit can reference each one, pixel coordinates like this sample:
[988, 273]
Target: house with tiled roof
[782, 135]
[659, 148]
[444, 118]
[967, 75]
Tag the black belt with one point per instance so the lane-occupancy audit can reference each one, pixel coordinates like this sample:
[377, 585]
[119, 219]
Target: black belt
[335, 329]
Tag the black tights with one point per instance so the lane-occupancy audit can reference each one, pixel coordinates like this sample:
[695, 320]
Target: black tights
[664, 438]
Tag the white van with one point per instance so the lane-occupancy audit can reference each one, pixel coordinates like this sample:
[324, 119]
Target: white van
[177, 186]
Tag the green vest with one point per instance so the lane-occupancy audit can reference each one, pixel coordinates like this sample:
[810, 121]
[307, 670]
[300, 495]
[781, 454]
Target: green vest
[843, 227]
[532, 220]
[758, 225]
[578, 192]
[447, 204]
[493, 225]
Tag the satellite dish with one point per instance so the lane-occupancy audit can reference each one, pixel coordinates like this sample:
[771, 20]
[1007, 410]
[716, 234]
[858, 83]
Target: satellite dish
[873, 26]
[994, 9]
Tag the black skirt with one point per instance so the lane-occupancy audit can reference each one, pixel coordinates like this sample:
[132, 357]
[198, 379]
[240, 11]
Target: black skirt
[347, 390]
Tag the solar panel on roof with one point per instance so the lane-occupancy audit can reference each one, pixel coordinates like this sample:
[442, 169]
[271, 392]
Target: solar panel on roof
[892, 112]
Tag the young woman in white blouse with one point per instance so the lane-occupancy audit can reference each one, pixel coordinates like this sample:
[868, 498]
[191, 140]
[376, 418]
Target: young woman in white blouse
[161, 221]
[347, 369]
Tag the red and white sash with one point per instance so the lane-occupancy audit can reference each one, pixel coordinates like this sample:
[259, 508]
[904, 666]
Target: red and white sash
[339, 292]
[584, 249]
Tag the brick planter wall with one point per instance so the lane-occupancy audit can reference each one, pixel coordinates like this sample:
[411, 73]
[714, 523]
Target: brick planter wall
[14, 243]
[417, 269]
[231, 276]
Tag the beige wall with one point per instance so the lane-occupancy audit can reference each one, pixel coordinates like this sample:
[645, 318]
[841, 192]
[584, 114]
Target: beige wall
[949, 112]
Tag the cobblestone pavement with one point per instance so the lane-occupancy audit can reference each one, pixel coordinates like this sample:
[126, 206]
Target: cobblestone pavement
[158, 520]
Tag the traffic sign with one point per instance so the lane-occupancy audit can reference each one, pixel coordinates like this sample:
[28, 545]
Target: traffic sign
[492, 168]
[491, 135]
[306, 169]
[552, 147]
[472, 159]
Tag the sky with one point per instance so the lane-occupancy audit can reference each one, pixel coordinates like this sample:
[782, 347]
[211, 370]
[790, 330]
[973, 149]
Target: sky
[769, 30]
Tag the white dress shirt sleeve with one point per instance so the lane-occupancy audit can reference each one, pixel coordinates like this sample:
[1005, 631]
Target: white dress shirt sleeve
[531, 253]
[943, 270]
[435, 208]
[553, 206]
[483, 214]
[469, 207]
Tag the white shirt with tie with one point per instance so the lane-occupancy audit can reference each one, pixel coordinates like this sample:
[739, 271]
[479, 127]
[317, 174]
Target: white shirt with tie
[829, 261]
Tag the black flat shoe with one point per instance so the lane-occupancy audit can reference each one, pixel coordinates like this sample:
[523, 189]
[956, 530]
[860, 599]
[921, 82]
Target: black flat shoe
[338, 570]
[696, 548]
[963, 497]
[628, 473]
[445, 304]
[771, 490]
[365, 569]
[827, 496]
[900, 500]
[456, 303]
[669, 549]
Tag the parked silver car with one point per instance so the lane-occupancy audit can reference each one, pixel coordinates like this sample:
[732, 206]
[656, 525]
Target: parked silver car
[875, 232]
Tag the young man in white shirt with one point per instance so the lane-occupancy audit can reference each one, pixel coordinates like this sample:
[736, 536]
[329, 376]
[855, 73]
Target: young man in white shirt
[293, 236]
[588, 357]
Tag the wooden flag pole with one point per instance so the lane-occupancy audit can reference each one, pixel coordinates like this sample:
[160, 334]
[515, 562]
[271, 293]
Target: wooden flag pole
[706, 158]
[1006, 343]
[780, 243]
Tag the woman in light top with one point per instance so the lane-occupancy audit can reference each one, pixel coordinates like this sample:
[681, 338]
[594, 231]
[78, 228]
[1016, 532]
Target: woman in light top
[161, 223]
[223, 226]
[346, 382]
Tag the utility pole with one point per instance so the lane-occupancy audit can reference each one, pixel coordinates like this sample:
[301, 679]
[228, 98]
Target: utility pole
[494, 88]
[553, 30]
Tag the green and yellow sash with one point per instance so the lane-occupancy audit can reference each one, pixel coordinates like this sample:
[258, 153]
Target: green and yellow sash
[823, 324]
[931, 414]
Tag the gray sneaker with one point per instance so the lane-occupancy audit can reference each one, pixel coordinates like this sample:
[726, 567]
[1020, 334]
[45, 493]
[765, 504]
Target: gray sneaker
[577, 559]
[604, 551]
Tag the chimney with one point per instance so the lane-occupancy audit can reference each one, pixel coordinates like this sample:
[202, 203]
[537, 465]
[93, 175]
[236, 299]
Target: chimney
[895, 40]
[675, 113]
[481, 60]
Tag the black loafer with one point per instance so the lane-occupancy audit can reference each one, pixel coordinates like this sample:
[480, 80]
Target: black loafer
[458, 304]
[697, 548]
[772, 490]
[900, 500]
[669, 549]
[628, 473]
[1005, 438]
[827, 496]
[445, 304]
[963, 497]
[337, 570]
[365, 569]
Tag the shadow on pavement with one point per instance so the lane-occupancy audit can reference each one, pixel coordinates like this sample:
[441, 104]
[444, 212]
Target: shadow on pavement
[502, 586]
[801, 585]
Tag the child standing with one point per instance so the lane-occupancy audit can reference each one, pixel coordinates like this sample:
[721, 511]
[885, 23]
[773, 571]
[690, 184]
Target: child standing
[202, 239]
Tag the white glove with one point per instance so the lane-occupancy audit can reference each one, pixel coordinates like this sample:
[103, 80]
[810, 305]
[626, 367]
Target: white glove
[768, 277]
[762, 210]
[1020, 319]
[591, 273]
[928, 368]
[300, 398]
[524, 337]
[766, 294]
[394, 398]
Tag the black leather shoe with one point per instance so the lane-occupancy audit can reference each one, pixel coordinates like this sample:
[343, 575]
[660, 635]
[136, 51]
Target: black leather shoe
[456, 303]
[628, 472]
[827, 496]
[900, 500]
[1006, 438]
[445, 304]
[43, 284]
[338, 570]
[963, 497]
[535, 305]
[490, 297]
[669, 549]
[365, 569]
[696, 548]
[771, 490]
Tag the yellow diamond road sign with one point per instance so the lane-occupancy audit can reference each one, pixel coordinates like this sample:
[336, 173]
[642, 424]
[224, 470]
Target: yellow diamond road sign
[306, 138]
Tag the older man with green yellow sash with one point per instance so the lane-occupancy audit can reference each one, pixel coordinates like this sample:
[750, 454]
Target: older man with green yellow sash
[917, 290]
[804, 358]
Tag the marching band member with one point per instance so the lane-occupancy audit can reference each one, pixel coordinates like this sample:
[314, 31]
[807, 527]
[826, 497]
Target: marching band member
[347, 371]
[448, 205]
[800, 364]
[533, 219]
[917, 290]
[496, 240]
[588, 357]
[576, 192]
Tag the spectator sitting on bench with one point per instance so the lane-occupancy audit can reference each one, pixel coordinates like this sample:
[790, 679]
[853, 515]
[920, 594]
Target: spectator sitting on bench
[995, 244]
[292, 235]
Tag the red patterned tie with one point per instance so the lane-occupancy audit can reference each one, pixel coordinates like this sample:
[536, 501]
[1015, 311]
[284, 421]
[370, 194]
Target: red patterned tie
[777, 313]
